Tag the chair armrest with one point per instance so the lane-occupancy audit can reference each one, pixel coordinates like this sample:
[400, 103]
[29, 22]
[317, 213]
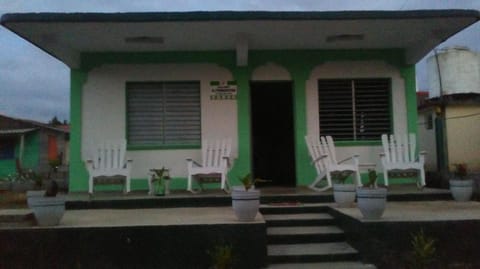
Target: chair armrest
[319, 158]
[227, 160]
[128, 164]
[89, 165]
[355, 156]
[194, 163]
[421, 156]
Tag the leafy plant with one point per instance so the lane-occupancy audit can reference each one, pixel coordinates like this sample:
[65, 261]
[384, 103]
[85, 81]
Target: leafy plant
[248, 182]
[221, 256]
[423, 251]
[372, 178]
[460, 171]
[162, 174]
[52, 189]
[341, 177]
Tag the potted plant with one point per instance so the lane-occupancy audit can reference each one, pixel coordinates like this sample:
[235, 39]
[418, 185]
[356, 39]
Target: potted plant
[371, 199]
[246, 199]
[343, 193]
[161, 181]
[461, 186]
[48, 207]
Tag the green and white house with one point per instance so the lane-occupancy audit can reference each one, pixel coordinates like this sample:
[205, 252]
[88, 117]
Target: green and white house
[166, 81]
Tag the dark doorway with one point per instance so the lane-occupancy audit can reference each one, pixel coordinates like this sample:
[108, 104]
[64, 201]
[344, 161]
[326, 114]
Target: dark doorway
[272, 133]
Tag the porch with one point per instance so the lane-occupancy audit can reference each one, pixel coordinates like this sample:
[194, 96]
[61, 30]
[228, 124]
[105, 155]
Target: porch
[113, 230]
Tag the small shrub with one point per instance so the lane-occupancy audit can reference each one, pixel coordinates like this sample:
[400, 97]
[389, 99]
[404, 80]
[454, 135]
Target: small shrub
[423, 251]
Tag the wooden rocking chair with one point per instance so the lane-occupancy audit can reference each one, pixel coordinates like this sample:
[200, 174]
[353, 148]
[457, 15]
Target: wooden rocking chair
[215, 164]
[322, 152]
[399, 154]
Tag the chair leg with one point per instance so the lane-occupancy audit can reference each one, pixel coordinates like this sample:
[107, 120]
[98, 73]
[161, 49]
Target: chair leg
[189, 184]
[127, 184]
[358, 178]
[385, 177]
[90, 185]
[422, 178]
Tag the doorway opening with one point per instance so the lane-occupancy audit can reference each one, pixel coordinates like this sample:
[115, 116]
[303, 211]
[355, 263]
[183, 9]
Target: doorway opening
[273, 149]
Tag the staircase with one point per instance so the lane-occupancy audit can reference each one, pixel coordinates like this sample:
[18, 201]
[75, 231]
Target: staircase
[305, 236]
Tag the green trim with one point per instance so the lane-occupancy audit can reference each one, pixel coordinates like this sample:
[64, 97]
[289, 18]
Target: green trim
[408, 74]
[358, 143]
[156, 147]
[78, 174]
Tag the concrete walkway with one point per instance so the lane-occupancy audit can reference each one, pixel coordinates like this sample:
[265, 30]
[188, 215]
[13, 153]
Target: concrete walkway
[422, 211]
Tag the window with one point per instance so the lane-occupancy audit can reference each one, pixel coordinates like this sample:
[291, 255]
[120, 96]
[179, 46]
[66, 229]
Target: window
[7, 148]
[354, 109]
[163, 114]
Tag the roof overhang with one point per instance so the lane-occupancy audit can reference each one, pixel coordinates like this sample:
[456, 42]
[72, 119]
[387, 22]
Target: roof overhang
[66, 35]
[16, 132]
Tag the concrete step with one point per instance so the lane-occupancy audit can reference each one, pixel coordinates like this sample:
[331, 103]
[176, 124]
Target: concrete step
[304, 234]
[322, 265]
[289, 209]
[16, 218]
[301, 219]
[311, 252]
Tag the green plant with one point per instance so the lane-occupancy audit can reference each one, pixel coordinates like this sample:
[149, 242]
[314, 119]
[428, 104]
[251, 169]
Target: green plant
[248, 182]
[221, 256]
[341, 177]
[372, 178]
[162, 174]
[460, 171]
[423, 250]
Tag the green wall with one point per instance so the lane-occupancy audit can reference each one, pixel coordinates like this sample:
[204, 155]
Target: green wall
[298, 63]
[31, 155]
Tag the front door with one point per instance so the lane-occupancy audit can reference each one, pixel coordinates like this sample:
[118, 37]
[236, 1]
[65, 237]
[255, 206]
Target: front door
[272, 133]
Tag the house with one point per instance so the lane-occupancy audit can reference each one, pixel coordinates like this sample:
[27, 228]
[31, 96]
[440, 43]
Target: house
[166, 81]
[448, 118]
[28, 144]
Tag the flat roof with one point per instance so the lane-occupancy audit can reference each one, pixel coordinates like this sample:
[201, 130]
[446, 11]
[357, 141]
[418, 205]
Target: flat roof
[67, 35]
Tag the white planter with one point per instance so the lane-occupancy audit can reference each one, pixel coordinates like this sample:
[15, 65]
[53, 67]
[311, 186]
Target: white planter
[371, 202]
[48, 211]
[245, 203]
[461, 190]
[344, 194]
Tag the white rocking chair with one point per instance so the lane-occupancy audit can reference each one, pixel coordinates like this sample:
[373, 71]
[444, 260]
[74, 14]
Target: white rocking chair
[322, 152]
[399, 154]
[109, 162]
[216, 164]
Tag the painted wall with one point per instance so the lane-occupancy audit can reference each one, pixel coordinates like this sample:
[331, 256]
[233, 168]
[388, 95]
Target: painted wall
[31, 155]
[463, 135]
[104, 111]
[98, 87]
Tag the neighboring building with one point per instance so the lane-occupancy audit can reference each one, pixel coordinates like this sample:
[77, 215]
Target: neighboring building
[32, 143]
[166, 81]
[449, 120]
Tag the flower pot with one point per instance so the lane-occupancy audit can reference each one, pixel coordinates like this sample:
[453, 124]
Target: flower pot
[371, 202]
[461, 190]
[245, 203]
[48, 211]
[344, 194]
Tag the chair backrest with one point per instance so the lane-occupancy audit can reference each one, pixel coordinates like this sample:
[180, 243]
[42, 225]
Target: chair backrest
[214, 151]
[110, 155]
[399, 148]
[320, 146]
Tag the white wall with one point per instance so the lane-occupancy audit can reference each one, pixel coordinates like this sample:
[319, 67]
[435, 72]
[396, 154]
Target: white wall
[357, 69]
[104, 111]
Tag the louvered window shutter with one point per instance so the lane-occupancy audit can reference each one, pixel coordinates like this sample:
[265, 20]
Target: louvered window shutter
[163, 113]
[354, 109]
